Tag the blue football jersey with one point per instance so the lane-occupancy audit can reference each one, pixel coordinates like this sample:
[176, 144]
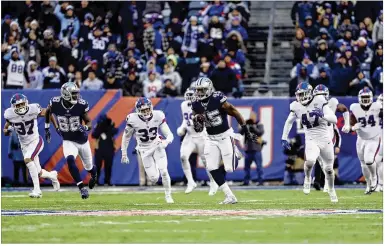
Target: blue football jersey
[69, 119]
[215, 116]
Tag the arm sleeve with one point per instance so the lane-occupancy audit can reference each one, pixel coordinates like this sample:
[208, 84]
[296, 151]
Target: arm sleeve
[260, 130]
[128, 131]
[288, 124]
[167, 132]
[329, 115]
[57, 12]
[346, 116]
[338, 136]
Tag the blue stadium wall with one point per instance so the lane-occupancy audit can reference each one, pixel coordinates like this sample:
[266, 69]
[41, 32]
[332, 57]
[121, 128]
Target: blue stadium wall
[271, 112]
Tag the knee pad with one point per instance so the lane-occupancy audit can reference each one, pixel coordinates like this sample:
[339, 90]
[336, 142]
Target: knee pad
[329, 170]
[163, 172]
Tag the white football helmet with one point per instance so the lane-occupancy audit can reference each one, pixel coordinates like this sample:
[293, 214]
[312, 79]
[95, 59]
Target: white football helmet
[365, 97]
[189, 94]
[203, 88]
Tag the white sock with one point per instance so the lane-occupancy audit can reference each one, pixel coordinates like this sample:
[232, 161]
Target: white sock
[366, 173]
[34, 175]
[212, 181]
[380, 174]
[45, 174]
[330, 180]
[373, 173]
[226, 189]
[187, 171]
[166, 180]
[307, 168]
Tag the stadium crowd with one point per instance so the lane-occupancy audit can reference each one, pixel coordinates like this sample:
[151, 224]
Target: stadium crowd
[338, 44]
[144, 48]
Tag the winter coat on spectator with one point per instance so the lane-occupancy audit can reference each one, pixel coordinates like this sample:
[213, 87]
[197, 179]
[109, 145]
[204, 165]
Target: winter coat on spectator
[69, 26]
[191, 36]
[325, 35]
[36, 79]
[311, 31]
[378, 31]
[89, 84]
[341, 76]
[151, 88]
[234, 41]
[47, 17]
[364, 54]
[238, 56]
[224, 79]
[54, 78]
[97, 47]
[241, 30]
[311, 69]
[377, 79]
[302, 9]
[216, 33]
[169, 89]
[352, 27]
[358, 84]
[154, 40]
[214, 9]
[113, 63]
[174, 77]
[376, 62]
[321, 80]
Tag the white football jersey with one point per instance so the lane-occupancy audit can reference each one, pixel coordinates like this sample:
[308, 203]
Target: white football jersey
[315, 128]
[333, 103]
[146, 131]
[25, 125]
[187, 114]
[370, 121]
[15, 73]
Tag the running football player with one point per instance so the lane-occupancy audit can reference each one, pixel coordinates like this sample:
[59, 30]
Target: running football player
[70, 112]
[22, 118]
[379, 157]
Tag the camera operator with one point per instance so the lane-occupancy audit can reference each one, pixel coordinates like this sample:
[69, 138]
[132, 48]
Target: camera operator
[105, 149]
[253, 151]
[295, 160]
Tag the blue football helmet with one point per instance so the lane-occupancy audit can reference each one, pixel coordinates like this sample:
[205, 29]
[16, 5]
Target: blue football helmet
[304, 93]
[19, 103]
[321, 90]
[143, 107]
[365, 97]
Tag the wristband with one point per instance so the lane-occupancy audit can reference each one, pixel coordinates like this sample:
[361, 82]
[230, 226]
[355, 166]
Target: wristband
[47, 125]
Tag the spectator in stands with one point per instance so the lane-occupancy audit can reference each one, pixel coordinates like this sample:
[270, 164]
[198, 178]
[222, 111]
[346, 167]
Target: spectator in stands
[31, 43]
[333, 19]
[358, 83]
[216, 8]
[54, 75]
[324, 35]
[169, 89]
[78, 79]
[377, 58]
[237, 55]
[345, 9]
[216, 32]
[113, 61]
[76, 50]
[300, 11]
[342, 74]
[298, 77]
[347, 39]
[69, 23]
[234, 41]
[310, 29]
[377, 80]
[5, 27]
[131, 86]
[308, 48]
[176, 29]
[205, 70]
[321, 63]
[92, 65]
[70, 73]
[351, 60]
[112, 82]
[236, 26]
[323, 51]
[35, 76]
[325, 23]
[15, 31]
[311, 69]
[173, 76]
[369, 25]
[92, 82]
[86, 28]
[154, 38]
[364, 34]
[347, 25]
[362, 51]
[297, 45]
[324, 78]
[377, 33]
[192, 33]
[98, 44]
[151, 85]
[47, 17]
[224, 78]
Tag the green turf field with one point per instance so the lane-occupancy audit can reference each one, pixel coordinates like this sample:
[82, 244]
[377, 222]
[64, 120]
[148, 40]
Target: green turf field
[261, 216]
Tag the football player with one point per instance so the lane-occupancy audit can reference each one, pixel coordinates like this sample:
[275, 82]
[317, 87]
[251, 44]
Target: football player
[146, 123]
[70, 112]
[379, 157]
[210, 109]
[192, 141]
[335, 106]
[366, 120]
[22, 118]
[316, 120]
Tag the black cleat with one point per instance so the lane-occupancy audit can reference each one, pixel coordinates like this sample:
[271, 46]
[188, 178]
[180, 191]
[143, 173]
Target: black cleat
[92, 182]
[317, 186]
[84, 193]
[373, 188]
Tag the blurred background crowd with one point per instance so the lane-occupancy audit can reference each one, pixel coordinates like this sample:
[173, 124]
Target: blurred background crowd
[160, 48]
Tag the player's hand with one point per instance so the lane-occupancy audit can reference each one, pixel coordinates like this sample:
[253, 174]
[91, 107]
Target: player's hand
[125, 159]
[83, 128]
[356, 127]
[198, 122]
[285, 144]
[47, 135]
[318, 112]
[337, 150]
[346, 129]
[181, 131]
[164, 143]
[58, 131]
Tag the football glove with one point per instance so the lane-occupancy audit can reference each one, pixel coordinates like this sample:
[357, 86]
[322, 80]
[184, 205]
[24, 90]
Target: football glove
[83, 128]
[346, 129]
[285, 144]
[318, 112]
[125, 159]
[356, 127]
[47, 135]
[198, 122]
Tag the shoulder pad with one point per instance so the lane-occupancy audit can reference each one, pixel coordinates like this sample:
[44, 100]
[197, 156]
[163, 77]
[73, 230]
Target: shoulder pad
[353, 106]
[220, 96]
[334, 100]
[35, 108]
[293, 106]
[8, 113]
[159, 114]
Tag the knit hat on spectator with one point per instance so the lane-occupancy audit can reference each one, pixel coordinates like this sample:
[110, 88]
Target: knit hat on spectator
[322, 41]
[34, 22]
[14, 23]
[14, 49]
[363, 33]
[173, 59]
[89, 17]
[323, 30]
[328, 6]
[193, 18]
[69, 7]
[308, 17]
[94, 62]
[7, 17]
[52, 58]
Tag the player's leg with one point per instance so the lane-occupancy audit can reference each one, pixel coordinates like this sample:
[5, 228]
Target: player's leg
[311, 154]
[327, 156]
[371, 149]
[379, 163]
[200, 143]
[29, 153]
[160, 158]
[365, 170]
[227, 153]
[186, 149]
[86, 156]
[70, 151]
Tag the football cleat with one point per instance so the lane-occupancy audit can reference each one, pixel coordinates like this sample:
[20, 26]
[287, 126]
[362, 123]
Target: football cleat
[333, 196]
[373, 188]
[213, 188]
[84, 193]
[367, 191]
[326, 188]
[306, 187]
[35, 194]
[190, 188]
[92, 182]
[379, 188]
[55, 181]
[229, 200]
[169, 199]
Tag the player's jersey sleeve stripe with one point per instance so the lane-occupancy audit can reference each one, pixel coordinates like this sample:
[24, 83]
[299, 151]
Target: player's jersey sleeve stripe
[164, 120]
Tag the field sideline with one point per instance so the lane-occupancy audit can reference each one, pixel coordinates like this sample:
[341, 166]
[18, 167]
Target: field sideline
[140, 215]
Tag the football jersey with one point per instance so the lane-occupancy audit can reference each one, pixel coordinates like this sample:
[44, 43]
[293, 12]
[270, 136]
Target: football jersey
[315, 128]
[215, 116]
[146, 131]
[370, 120]
[15, 72]
[70, 119]
[333, 103]
[187, 120]
[25, 125]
